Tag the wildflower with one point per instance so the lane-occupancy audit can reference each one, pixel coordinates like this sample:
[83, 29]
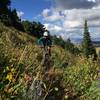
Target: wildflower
[56, 89]
[27, 77]
[98, 71]
[13, 70]
[9, 77]
[7, 68]
[66, 97]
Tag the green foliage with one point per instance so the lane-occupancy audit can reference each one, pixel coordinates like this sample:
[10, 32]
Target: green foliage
[34, 28]
[94, 91]
[79, 78]
[99, 53]
[15, 20]
[38, 29]
[9, 17]
[71, 47]
[4, 6]
[27, 27]
[71, 77]
[67, 45]
[58, 41]
[4, 11]
[88, 48]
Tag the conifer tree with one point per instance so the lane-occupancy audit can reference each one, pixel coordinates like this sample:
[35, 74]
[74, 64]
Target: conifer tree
[87, 45]
[4, 4]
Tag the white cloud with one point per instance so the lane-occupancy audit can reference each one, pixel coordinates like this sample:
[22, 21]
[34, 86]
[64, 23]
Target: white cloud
[53, 28]
[72, 21]
[71, 24]
[78, 4]
[73, 18]
[20, 13]
[91, 0]
[51, 15]
[76, 17]
[45, 12]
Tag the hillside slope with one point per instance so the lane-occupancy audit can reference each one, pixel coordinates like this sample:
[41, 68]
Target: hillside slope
[16, 42]
[70, 76]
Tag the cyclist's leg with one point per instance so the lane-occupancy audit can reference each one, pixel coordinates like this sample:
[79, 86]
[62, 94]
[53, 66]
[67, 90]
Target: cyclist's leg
[49, 50]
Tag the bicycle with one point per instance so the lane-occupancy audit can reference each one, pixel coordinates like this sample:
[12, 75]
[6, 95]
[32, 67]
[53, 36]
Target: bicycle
[46, 59]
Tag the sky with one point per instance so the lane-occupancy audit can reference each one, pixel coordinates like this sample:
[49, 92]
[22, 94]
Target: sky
[62, 17]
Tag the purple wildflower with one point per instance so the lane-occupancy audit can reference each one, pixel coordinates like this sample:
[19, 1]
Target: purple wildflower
[98, 71]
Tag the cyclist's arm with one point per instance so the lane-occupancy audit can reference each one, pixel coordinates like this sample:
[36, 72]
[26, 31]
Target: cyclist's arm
[40, 41]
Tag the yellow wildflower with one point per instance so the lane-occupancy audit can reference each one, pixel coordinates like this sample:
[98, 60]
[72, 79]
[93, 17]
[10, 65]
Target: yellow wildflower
[9, 76]
[66, 97]
[7, 68]
[13, 70]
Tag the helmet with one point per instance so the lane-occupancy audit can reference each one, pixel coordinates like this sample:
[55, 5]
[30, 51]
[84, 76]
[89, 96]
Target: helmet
[45, 34]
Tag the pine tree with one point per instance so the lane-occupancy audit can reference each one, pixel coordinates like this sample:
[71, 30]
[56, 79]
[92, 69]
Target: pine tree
[88, 48]
[4, 4]
[15, 20]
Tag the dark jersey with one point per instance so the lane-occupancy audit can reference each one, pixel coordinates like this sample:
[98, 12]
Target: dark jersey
[45, 41]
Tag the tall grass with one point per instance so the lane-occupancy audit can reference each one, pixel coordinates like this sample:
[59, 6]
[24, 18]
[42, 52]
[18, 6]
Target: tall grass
[69, 78]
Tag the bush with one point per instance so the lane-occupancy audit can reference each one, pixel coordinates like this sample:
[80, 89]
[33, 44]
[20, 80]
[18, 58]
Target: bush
[78, 79]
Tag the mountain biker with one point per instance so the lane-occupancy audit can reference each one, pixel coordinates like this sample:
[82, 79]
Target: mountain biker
[45, 41]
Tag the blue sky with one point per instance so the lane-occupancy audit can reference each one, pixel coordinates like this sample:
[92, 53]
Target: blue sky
[31, 8]
[62, 17]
